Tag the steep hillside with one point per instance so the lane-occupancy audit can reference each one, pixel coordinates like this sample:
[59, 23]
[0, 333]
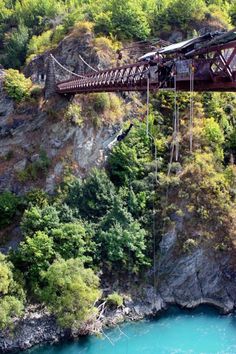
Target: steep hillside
[68, 134]
[94, 235]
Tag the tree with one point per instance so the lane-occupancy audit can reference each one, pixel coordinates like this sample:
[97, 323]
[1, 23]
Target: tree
[214, 137]
[39, 44]
[69, 240]
[8, 207]
[127, 160]
[65, 213]
[35, 14]
[36, 197]
[123, 164]
[39, 219]
[34, 256]
[121, 239]
[11, 294]
[177, 15]
[124, 19]
[212, 132]
[16, 47]
[70, 292]
[98, 194]
[94, 196]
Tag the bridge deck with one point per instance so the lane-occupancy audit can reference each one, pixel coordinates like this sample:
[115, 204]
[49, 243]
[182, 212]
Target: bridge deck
[214, 69]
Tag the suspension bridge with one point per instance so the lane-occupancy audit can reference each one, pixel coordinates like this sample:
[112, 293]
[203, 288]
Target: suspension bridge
[209, 61]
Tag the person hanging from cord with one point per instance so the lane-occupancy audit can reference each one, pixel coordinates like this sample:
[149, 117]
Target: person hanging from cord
[121, 136]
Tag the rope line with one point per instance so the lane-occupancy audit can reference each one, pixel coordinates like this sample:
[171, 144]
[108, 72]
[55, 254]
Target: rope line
[174, 143]
[154, 226]
[69, 71]
[87, 64]
[191, 109]
[148, 99]
[178, 136]
[155, 182]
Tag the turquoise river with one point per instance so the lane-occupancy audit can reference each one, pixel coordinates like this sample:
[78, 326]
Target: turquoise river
[176, 331]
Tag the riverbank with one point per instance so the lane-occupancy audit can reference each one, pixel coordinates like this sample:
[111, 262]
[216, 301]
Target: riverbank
[40, 327]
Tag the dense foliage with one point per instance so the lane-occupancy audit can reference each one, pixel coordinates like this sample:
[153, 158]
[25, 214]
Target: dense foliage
[112, 221]
[70, 291]
[9, 203]
[11, 294]
[16, 85]
[29, 27]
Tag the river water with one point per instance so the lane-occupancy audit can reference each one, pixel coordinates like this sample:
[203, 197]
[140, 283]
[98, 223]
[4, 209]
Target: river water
[176, 331]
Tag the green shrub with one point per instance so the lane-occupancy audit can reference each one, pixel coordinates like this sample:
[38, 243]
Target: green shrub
[58, 34]
[121, 239]
[39, 44]
[36, 13]
[73, 114]
[123, 18]
[70, 292]
[233, 13]
[214, 137]
[69, 240]
[11, 295]
[83, 27]
[218, 13]
[212, 132]
[106, 44]
[37, 197]
[8, 207]
[39, 219]
[101, 102]
[15, 45]
[98, 103]
[177, 15]
[34, 256]
[16, 85]
[34, 169]
[115, 300]
[94, 196]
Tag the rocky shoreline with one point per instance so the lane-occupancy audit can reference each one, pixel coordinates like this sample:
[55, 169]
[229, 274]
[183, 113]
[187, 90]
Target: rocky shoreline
[39, 327]
[202, 276]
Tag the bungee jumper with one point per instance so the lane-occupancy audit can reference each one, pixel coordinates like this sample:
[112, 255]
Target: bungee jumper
[121, 136]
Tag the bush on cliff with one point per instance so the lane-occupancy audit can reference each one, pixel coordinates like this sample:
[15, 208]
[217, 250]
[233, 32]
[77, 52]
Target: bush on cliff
[8, 207]
[70, 292]
[11, 294]
[17, 85]
[33, 257]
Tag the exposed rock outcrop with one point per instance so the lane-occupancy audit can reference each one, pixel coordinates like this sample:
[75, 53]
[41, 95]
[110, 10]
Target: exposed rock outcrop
[40, 124]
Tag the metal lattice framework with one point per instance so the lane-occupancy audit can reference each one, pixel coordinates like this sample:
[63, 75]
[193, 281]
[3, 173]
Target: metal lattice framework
[214, 69]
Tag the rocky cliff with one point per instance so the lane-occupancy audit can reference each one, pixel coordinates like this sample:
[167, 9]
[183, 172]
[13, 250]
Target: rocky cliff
[39, 124]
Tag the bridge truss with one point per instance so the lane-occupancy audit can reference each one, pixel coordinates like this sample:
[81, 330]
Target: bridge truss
[213, 68]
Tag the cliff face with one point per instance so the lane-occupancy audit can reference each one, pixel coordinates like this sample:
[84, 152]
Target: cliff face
[26, 132]
[201, 276]
[39, 125]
